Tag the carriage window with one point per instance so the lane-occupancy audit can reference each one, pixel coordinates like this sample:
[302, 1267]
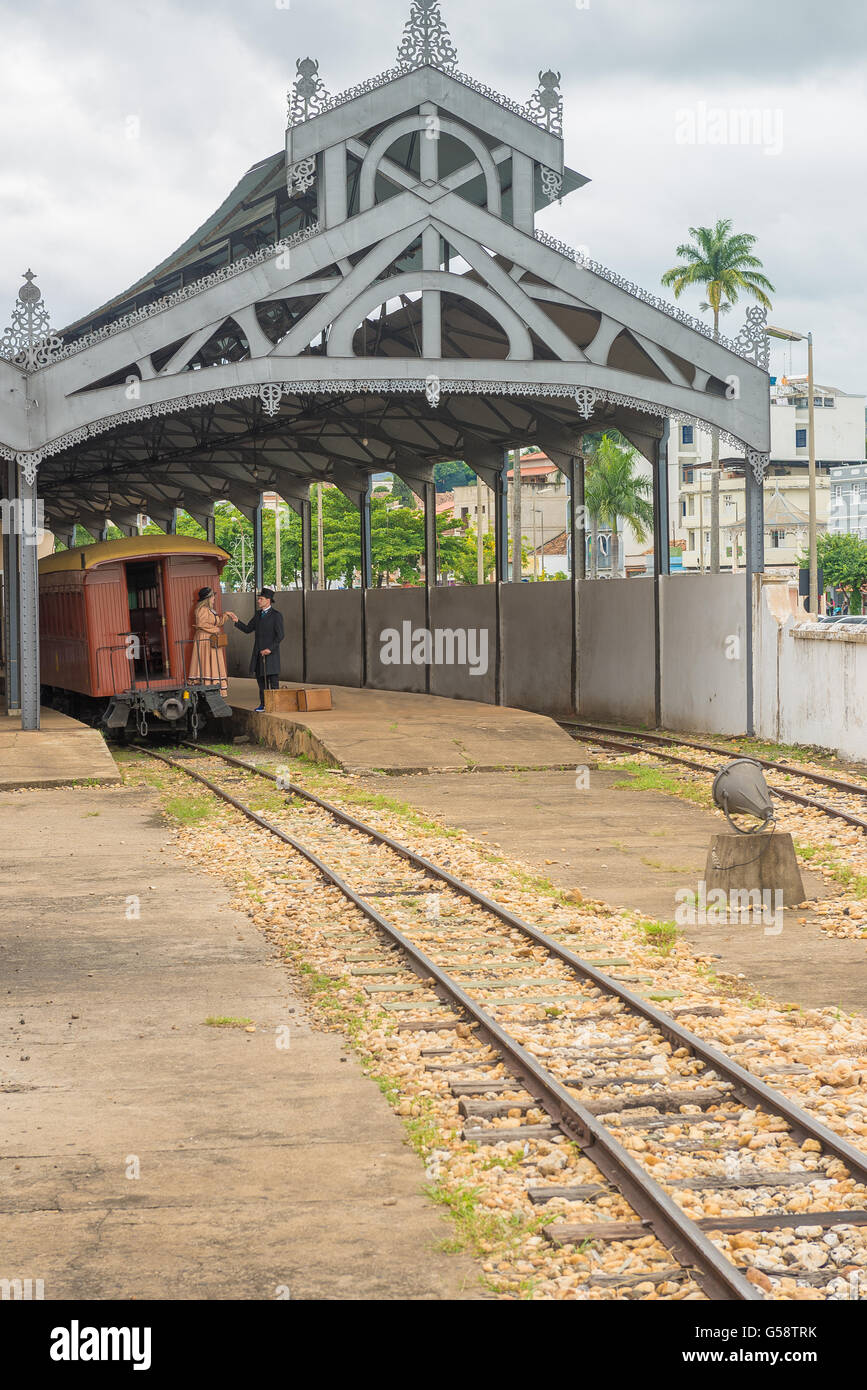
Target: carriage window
[146, 619]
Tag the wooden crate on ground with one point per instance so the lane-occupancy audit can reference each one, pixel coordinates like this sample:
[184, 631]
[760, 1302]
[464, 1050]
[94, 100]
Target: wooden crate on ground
[281, 701]
[314, 699]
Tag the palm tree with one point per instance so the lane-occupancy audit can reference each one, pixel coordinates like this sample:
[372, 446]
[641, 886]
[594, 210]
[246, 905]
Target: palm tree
[614, 492]
[724, 262]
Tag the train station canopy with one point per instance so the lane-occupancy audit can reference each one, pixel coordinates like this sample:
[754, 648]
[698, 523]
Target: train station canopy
[375, 296]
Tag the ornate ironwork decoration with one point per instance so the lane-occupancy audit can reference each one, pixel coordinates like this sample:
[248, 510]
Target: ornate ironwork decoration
[758, 463]
[308, 97]
[546, 103]
[29, 341]
[207, 282]
[552, 183]
[752, 340]
[426, 41]
[382, 79]
[271, 395]
[585, 399]
[301, 176]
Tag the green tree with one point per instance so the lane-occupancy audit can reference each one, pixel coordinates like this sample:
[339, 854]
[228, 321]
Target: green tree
[843, 559]
[722, 262]
[615, 492]
[448, 476]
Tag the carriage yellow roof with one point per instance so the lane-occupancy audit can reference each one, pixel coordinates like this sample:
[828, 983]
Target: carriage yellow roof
[128, 548]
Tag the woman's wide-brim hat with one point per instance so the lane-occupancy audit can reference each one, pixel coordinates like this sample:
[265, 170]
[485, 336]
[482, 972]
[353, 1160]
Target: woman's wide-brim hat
[205, 593]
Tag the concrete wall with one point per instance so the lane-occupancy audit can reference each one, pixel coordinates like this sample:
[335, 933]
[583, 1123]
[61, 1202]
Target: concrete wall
[617, 663]
[811, 683]
[703, 646]
[466, 607]
[537, 626]
[240, 644]
[388, 609]
[334, 637]
[704, 652]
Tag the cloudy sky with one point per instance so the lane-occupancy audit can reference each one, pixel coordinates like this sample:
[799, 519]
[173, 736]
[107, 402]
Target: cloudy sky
[125, 125]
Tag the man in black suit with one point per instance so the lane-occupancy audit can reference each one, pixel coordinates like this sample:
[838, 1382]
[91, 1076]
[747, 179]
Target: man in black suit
[267, 628]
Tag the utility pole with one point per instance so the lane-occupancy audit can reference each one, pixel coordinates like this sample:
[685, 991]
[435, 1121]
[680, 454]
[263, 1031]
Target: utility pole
[701, 519]
[517, 568]
[278, 577]
[480, 535]
[320, 537]
[814, 555]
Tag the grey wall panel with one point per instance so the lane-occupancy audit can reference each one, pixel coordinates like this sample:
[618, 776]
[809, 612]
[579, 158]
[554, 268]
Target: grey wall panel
[457, 610]
[387, 611]
[240, 645]
[334, 637]
[704, 674]
[537, 625]
[617, 665]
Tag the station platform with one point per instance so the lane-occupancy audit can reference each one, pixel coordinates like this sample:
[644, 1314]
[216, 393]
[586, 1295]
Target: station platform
[60, 752]
[387, 731]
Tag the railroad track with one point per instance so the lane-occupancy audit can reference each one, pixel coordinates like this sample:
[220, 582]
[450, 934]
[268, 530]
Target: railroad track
[626, 741]
[560, 1047]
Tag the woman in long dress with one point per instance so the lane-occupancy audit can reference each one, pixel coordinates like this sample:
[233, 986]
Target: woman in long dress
[208, 661]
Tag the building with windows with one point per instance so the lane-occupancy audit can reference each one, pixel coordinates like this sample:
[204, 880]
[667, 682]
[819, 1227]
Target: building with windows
[840, 435]
[848, 509]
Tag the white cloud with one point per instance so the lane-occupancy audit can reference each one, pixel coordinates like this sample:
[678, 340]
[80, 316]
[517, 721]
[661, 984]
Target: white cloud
[92, 210]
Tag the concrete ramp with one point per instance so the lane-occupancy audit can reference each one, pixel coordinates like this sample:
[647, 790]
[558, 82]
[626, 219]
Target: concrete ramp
[387, 731]
[62, 751]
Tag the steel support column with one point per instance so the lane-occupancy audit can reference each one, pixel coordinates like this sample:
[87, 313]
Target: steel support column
[258, 546]
[501, 566]
[28, 549]
[211, 528]
[366, 570]
[661, 561]
[577, 564]
[11, 595]
[431, 576]
[755, 564]
[306, 515]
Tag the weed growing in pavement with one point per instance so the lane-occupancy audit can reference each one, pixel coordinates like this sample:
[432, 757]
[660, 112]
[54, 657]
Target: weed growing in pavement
[224, 1022]
[651, 779]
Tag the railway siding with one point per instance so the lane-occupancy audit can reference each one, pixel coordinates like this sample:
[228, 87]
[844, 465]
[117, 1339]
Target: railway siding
[666, 1134]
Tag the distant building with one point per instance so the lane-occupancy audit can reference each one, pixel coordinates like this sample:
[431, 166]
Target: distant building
[839, 421]
[848, 510]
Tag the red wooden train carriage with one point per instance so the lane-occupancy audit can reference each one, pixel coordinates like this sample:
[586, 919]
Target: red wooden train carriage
[116, 628]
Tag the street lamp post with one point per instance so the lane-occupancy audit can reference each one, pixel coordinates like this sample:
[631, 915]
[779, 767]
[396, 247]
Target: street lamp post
[788, 335]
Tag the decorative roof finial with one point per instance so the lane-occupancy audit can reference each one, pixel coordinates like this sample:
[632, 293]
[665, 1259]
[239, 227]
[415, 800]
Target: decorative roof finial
[546, 103]
[426, 41]
[29, 341]
[308, 97]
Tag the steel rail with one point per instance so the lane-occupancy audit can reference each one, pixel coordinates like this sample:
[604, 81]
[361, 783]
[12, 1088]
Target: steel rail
[858, 789]
[783, 793]
[748, 1087]
[718, 1277]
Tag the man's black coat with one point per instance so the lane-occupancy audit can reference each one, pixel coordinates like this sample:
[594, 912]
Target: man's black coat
[267, 629]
